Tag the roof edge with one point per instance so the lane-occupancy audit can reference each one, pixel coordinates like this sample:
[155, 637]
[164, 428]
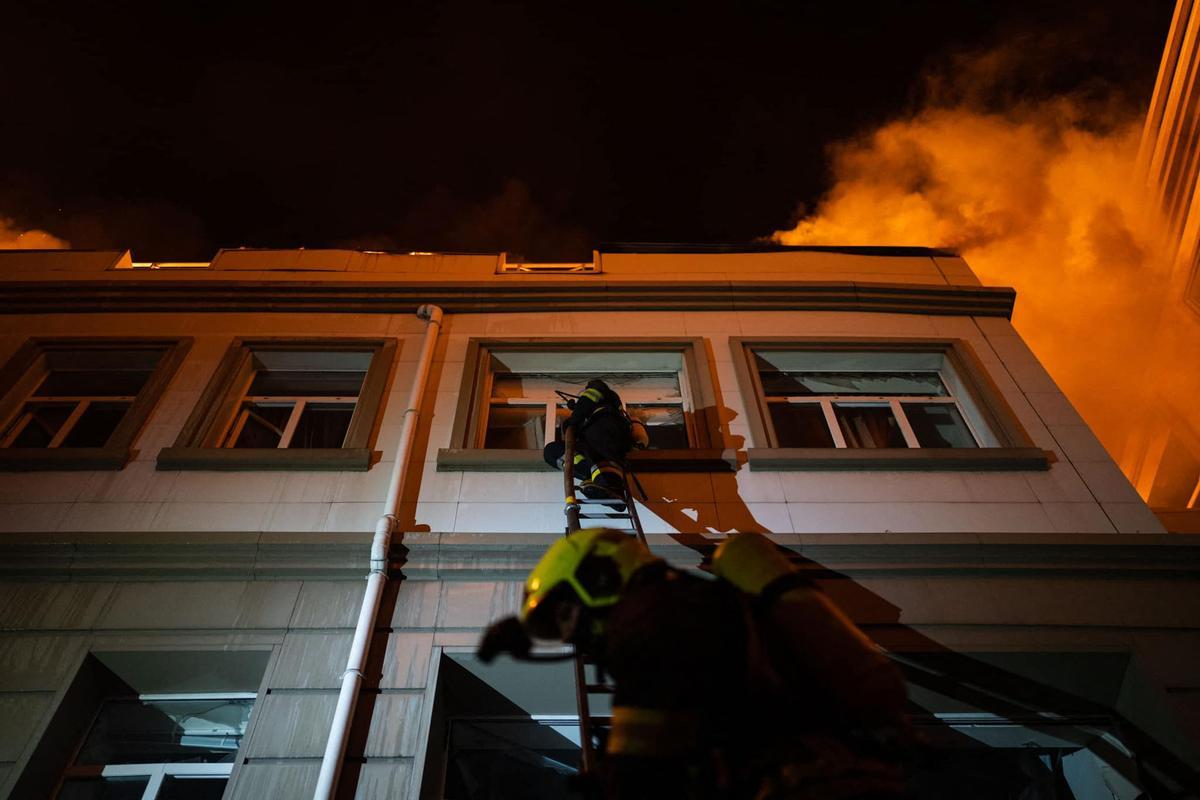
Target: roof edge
[771, 247]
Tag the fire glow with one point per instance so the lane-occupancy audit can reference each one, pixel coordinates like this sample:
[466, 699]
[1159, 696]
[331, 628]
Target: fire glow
[1042, 198]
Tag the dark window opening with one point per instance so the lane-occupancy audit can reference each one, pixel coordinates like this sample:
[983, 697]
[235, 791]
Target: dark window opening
[82, 397]
[800, 425]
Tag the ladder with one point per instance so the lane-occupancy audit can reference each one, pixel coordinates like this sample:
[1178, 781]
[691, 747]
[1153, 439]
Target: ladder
[582, 512]
[992, 689]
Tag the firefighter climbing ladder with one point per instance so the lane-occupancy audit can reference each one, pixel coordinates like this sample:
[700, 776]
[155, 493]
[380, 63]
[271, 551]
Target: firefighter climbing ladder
[583, 512]
[988, 688]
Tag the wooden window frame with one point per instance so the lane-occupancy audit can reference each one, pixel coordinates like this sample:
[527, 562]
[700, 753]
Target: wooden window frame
[1016, 450]
[25, 370]
[466, 454]
[199, 444]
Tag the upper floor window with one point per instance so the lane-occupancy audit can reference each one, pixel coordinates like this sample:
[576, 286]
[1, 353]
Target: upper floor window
[813, 403]
[81, 396]
[866, 399]
[298, 398]
[278, 404]
[524, 408]
[82, 403]
[510, 404]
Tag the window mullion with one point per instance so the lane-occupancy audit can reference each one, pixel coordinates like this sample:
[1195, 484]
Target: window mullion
[769, 421]
[154, 786]
[235, 430]
[69, 424]
[839, 439]
[910, 437]
[285, 438]
[18, 426]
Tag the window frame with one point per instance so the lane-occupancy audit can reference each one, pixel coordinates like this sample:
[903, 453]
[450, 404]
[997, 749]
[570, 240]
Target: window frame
[23, 372]
[201, 443]
[552, 405]
[155, 772]
[697, 384]
[1015, 450]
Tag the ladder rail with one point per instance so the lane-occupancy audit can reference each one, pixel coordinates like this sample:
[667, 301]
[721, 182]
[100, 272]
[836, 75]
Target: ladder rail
[587, 752]
[588, 732]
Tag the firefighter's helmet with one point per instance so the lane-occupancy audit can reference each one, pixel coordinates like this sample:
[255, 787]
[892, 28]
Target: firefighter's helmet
[591, 566]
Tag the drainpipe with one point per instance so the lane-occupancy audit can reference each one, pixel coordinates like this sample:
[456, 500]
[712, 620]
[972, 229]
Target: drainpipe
[352, 678]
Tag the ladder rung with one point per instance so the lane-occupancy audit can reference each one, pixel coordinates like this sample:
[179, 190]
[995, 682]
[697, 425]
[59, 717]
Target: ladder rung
[614, 515]
[606, 501]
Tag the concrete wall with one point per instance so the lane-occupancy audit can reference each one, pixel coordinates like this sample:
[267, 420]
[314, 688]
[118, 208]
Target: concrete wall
[47, 627]
[1083, 492]
[307, 625]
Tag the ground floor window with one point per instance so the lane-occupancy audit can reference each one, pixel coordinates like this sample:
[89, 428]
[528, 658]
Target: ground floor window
[508, 730]
[159, 747]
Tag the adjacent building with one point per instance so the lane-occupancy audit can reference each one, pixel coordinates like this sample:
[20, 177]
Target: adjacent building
[1162, 455]
[195, 458]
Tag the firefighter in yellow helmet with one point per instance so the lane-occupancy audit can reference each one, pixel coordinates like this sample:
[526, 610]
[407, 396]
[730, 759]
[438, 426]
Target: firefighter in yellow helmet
[752, 685]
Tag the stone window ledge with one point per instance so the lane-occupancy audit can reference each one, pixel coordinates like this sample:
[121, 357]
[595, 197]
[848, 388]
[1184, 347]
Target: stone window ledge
[497, 460]
[923, 459]
[347, 459]
[25, 459]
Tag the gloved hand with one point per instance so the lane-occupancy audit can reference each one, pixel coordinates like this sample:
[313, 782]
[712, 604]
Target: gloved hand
[504, 636]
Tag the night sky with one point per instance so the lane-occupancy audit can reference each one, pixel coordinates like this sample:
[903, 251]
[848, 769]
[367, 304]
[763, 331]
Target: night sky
[542, 129]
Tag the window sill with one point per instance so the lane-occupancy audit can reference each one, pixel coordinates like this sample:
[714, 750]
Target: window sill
[925, 459]
[29, 459]
[349, 459]
[480, 460]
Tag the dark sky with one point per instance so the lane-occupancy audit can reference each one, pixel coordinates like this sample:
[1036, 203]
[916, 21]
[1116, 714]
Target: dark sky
[537, 128]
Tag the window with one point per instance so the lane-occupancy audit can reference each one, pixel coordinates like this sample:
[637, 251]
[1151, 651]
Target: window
[524, 407]
[884, 397]
[510, 406]
[503, 732]
[298, 398]
[275, 404]
[80, 404]
[159, 747]
[146, 724]
[863, 399]
[505, 266]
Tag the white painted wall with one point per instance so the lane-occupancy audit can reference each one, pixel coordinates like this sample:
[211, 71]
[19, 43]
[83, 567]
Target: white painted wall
[1083, 492]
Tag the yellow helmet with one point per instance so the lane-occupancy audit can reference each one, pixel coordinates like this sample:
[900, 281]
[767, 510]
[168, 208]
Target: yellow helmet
[593, 564]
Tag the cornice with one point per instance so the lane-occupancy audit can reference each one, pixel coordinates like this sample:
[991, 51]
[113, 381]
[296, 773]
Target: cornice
[510, 556]
[391, 297]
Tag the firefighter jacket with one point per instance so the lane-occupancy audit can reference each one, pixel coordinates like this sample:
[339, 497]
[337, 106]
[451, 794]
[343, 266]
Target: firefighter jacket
[600, 423]
[712, 701]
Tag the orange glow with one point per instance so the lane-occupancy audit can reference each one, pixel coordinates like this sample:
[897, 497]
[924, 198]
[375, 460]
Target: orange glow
[1041, 199]
[12, 238]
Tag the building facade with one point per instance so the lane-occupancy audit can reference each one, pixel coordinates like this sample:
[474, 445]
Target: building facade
[196, 458]
[1162, 455]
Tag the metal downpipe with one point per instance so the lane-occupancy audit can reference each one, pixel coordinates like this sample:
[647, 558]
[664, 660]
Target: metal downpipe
[352, 678]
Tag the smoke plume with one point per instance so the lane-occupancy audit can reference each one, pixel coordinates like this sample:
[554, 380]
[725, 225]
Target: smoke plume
[1037, 195]
[13, 238]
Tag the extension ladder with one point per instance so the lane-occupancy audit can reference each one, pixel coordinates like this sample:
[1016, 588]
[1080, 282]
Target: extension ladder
[582, 512]
[1009, 695]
